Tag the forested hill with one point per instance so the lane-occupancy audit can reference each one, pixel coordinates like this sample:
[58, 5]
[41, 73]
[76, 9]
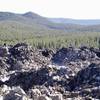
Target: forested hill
[36, 24]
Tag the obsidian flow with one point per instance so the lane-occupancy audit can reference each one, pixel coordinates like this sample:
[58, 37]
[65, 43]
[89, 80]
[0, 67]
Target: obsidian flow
[71, 72]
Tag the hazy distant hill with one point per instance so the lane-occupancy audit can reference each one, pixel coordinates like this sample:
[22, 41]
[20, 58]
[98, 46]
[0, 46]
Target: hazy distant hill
[73, 21]
[31, 23]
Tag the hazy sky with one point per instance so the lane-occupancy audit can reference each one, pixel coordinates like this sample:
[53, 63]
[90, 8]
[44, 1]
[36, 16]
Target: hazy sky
[77, 9]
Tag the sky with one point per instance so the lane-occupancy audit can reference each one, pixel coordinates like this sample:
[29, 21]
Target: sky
[76, 9]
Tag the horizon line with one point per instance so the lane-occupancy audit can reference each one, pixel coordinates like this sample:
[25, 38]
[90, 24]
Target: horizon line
[50, 17]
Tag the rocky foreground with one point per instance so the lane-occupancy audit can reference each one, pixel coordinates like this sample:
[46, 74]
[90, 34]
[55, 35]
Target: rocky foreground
[66, 74]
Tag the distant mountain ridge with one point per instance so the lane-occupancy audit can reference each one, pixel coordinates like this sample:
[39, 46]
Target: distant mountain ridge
[32, 23]
[76, 21]
[34, 16]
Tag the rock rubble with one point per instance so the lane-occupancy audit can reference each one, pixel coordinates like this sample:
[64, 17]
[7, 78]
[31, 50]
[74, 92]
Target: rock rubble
[33, 74]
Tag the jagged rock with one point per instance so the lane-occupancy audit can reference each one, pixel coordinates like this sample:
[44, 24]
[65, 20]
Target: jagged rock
[43, 97]
[71, 54]
[15, 93]
[84, 47]
[4, 51]
[60, 56]
[23, 79]
[56, 97]
[31, 78]
[44, 90]
[47, 53]
[92, 92]
[18, 65]
[87, 77]
[96, 51]
[34, 93]
[4, 67]
[21, 51]
[71, 73]
[4, 89]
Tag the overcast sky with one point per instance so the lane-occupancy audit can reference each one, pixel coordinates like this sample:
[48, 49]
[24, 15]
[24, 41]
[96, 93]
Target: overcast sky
[77, 9]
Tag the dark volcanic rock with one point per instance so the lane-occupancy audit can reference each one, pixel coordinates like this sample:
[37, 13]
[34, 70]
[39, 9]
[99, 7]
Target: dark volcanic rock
[47, 53]
[63, 54]
[15, 94]
[71, 54]
[97, 51]
[86, 77]
[70, 73]
[28, 79]
[20, 51]
[4, 51]
[4, 67]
